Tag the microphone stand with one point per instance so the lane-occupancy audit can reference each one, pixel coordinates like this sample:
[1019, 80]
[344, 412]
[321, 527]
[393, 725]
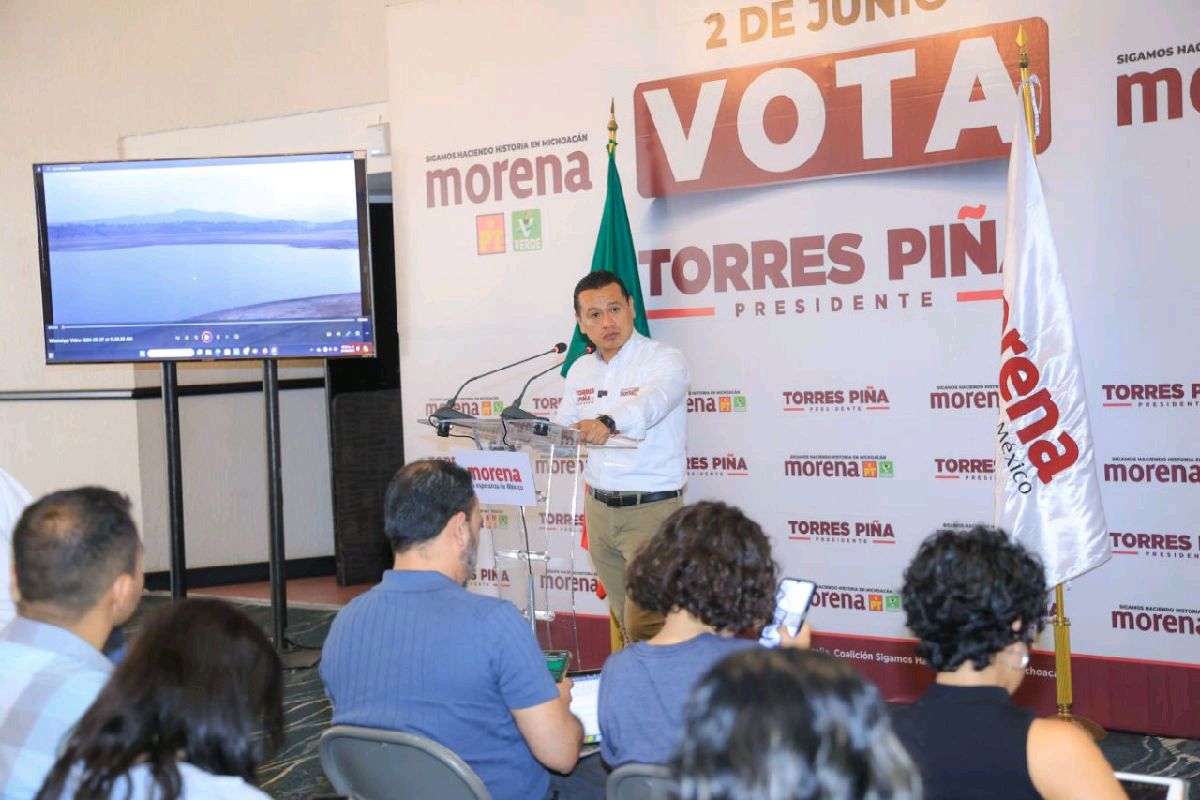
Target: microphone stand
[515, 412]
[447, 413]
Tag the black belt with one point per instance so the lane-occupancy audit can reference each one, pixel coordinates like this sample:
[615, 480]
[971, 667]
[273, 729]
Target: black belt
[623, 499]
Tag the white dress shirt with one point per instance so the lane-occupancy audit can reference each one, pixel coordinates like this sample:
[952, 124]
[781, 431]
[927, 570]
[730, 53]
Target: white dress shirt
[13, 499]
[643, 389]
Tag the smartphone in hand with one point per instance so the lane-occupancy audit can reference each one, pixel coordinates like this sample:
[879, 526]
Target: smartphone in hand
[792, 602]
[557, 662]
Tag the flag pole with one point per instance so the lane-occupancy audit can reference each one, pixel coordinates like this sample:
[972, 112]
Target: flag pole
[616, 630]
[1062, 625]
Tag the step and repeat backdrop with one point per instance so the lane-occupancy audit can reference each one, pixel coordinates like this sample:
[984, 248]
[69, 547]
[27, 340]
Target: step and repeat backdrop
[816, 192]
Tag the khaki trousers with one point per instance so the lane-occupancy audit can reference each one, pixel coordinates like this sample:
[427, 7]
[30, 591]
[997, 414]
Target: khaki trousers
[614, 537]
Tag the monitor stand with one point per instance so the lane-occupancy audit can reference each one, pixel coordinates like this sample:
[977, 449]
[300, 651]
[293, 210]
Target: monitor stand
[292, 655]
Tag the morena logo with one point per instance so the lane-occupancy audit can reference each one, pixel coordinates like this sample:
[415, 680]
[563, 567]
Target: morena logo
[838, 467]
[475, 406]
[558, 466]
[1169, 79]
[496, 474]
[965, 398]
[1155, 620]
[484, 183]
[852, 599]
[1152, 470]
[568, 582]
[1019, 378]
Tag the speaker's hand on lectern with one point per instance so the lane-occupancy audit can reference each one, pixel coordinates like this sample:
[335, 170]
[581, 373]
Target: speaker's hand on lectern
[593, 431]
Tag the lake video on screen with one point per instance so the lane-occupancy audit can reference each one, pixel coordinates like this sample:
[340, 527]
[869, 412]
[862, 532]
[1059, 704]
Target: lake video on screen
[191, 266]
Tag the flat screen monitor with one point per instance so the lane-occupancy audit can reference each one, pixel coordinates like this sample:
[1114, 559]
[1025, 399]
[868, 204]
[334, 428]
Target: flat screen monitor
[205, 258]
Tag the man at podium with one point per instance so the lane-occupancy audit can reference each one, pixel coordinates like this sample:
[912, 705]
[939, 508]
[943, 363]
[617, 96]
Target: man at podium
[632, 387]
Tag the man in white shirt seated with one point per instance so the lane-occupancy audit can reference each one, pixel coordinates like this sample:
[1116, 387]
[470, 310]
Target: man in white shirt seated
[634, 387]
[13, 499]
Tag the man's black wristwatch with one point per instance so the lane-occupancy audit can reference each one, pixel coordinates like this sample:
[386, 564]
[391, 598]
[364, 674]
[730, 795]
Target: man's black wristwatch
[608, 422]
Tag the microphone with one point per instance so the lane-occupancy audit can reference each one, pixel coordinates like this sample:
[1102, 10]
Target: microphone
[447, 413]
[514, 410]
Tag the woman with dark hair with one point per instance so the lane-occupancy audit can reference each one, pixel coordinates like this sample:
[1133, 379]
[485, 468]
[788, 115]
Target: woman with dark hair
[709, 570]
[790, 725]
[976, 600]
[188, 715]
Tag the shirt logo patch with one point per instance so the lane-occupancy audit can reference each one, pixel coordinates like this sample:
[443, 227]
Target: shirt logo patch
[631, 391]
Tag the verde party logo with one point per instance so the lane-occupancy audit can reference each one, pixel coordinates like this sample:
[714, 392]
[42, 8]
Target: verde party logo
[527, 230]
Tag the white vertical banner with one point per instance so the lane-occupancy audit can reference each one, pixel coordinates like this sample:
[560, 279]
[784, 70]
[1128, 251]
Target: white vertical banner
[1047, 491]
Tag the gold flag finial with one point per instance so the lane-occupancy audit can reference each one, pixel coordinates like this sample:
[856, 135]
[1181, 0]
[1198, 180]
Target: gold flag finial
[1026, 96]
[612, 124]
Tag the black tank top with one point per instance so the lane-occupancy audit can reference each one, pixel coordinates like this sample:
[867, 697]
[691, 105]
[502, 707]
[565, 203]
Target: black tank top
[969, 742]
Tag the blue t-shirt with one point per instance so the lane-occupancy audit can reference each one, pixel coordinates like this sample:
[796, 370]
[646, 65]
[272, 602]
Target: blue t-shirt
[419, 653]
[643, 690]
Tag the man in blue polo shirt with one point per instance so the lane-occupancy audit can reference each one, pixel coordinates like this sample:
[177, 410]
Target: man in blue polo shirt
[419, 653]
[77, 560]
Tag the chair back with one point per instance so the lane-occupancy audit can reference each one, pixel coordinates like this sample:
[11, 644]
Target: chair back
[640, 782]
[371, 764]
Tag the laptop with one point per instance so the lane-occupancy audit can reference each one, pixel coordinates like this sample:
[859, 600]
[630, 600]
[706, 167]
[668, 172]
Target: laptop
[585, 695]
[1152, 787]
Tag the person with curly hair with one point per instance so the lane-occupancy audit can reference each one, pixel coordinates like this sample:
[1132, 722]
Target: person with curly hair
[709, 569]
[790, 725]
[976, 600]
[189, 714]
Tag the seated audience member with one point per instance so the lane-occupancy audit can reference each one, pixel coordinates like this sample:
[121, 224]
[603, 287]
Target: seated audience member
[77, 564]
[709, 570]
[420, 653]
[188, 715]
[13, 499]
[790, 725]
[975, 600]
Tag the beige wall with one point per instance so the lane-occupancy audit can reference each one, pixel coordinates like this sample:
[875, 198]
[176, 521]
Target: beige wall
[75, 77]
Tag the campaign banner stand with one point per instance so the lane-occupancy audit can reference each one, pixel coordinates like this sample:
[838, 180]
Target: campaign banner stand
[526, 556]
